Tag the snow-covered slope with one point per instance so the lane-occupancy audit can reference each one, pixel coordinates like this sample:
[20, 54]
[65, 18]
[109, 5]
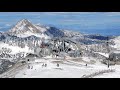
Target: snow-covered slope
[69, 33]
[116, 42]
[66, 69]
[55, 32]
[25, 28]
[15, 49]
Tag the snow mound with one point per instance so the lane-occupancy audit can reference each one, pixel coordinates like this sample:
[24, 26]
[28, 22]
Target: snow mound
[117, 43]
[15, 49]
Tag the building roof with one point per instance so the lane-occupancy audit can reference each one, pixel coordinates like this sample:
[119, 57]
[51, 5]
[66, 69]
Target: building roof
[116, 52]
[32, 55]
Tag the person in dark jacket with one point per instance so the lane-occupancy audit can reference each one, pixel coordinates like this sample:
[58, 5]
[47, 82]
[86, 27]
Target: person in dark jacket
[57, 65]
[28, 66]
[45, 65]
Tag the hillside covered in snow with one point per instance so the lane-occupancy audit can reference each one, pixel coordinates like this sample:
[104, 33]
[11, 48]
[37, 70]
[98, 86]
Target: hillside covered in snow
[26, 47]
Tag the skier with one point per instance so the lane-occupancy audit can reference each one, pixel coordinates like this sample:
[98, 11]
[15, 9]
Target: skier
[31, 67]
[28, 66]
[45, 65]
[86, 65]
[28, 60]
[57, 65]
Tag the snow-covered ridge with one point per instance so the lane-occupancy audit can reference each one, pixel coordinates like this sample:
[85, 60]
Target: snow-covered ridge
[23, 26]
[25, 37]
[71, 33]
[116, 42]
[25, 30]
[13, 48]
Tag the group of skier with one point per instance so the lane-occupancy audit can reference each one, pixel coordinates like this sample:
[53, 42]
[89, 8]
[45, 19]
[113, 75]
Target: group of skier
[45, 65]
[30, 67]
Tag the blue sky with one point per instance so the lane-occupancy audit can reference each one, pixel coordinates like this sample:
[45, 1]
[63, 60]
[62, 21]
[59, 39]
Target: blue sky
[105, 23]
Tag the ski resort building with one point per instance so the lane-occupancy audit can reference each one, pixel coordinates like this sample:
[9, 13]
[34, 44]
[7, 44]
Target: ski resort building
[66, 45]
[115, 56]
[58, 46]
[43, 50]
[31, 57]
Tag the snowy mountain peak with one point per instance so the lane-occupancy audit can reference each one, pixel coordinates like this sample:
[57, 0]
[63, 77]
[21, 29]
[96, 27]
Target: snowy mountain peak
[24, 26]
[23, 22]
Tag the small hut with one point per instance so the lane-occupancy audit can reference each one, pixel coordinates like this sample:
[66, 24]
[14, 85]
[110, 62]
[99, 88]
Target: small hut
[115, 56]
[31, 57]
[74, 53]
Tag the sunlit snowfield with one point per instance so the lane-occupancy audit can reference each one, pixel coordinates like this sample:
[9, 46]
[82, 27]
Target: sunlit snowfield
[66, 69]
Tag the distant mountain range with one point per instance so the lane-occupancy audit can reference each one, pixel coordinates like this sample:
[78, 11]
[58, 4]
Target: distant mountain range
[24, 29]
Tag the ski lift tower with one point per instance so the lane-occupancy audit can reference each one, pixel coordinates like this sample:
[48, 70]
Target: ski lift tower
[108, 50]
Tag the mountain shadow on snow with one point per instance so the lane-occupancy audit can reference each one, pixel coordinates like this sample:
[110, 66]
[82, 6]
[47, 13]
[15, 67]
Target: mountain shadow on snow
[55, 32]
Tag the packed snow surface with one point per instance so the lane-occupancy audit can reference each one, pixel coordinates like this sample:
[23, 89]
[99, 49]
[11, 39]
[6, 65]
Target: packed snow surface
[66, 69]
